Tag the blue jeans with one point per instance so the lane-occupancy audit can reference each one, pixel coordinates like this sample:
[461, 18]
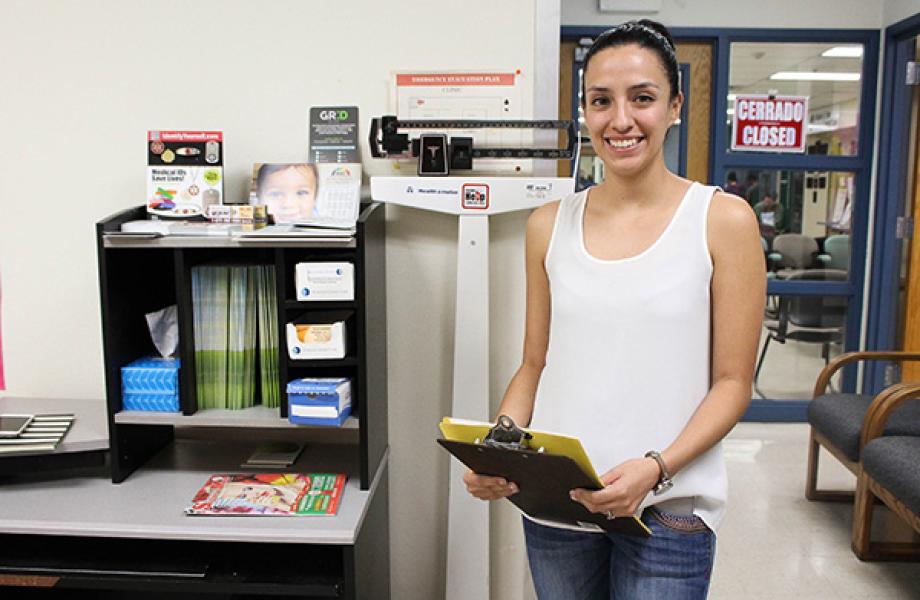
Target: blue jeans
[675, 563]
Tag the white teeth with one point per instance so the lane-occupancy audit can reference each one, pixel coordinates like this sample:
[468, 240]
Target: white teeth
[623, 143]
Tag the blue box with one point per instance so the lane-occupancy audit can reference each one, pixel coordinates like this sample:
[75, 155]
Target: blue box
[150, 384]
[319, 401]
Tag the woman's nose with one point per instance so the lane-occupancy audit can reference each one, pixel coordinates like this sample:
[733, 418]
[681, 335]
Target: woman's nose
[621, 119]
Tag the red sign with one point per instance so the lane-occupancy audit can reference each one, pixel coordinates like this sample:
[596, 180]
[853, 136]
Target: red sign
[770, 123]
[455, 79]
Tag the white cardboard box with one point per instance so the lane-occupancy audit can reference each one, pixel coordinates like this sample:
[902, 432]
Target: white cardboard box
[308, 341]
[325, 281]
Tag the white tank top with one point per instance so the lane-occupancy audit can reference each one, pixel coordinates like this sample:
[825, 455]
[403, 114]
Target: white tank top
[628, 360]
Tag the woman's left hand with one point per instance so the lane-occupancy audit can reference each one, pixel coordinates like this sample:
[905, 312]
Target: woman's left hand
[625, 486]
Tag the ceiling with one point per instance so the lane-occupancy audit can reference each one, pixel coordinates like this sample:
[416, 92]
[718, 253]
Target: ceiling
[752, 63]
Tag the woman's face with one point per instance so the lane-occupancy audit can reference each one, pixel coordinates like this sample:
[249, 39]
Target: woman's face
[628, 109]
[289, 194]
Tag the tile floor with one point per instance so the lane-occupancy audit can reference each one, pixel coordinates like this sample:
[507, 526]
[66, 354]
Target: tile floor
[774, 544]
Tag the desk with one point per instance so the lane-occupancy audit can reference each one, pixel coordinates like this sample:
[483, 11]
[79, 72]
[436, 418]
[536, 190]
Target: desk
[86, 532]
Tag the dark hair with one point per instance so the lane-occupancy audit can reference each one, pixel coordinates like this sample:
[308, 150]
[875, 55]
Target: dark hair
[645, 34]
[731, 176]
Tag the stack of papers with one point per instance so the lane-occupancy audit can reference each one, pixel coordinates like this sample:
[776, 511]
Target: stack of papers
[236, 333]
[43, 434]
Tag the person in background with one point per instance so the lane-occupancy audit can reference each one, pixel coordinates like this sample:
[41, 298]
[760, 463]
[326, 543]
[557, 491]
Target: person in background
[732, 186]
[645, 295]
[770, 215]
[752, 189]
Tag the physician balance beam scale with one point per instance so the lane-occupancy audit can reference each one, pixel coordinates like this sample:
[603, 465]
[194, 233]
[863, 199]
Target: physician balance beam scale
[473, 199]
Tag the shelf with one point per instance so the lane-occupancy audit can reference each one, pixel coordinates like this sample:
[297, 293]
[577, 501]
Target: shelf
[257, 416]
[311, 305]
[190, 241]
[348, 361]
[149, 504]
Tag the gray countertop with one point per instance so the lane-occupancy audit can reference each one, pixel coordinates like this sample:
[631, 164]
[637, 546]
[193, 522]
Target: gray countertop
[150, 503]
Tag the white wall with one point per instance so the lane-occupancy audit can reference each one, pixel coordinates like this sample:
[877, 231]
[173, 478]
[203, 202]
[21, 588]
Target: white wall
[825, 14]
[81, 84]
[898, 10]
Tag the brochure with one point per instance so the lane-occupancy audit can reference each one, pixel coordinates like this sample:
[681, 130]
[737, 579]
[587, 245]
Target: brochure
[270, 494]
[184, 172]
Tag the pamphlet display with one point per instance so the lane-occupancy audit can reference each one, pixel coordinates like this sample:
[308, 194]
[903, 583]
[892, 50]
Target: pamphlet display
[321, 338]
[184, 172]
[270, 494]
[334, 134]
[234, 318]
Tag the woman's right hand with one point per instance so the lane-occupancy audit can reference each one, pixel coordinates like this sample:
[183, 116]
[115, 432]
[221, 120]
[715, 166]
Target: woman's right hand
[486, 487]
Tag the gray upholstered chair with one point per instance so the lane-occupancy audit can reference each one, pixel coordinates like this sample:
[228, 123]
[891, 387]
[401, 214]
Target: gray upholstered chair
[793, 251]
[838, 421]
[890, 473]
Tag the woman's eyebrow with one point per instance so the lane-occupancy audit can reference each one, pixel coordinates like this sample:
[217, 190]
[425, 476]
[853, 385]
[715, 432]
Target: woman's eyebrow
[644, 84]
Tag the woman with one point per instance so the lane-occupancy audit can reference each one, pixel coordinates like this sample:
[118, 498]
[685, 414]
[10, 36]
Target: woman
[644, 301]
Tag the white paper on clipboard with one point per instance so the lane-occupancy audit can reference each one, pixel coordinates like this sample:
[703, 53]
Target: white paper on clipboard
[481, 95]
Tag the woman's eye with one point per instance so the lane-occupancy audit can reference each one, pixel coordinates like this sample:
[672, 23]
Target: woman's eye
[599, 101]
[303, 192]
[645, 98]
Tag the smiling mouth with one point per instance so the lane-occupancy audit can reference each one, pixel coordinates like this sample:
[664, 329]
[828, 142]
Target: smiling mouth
[623, 144]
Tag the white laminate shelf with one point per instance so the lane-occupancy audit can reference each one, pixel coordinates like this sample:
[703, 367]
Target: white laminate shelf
[256, 416]
[150, 503]
[188, 241]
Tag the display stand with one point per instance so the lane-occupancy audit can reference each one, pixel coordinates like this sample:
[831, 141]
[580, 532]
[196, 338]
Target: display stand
[473, 199]
[90, 534]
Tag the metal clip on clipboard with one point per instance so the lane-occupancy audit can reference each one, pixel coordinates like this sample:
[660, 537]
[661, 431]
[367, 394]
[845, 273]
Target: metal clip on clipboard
[507, 435]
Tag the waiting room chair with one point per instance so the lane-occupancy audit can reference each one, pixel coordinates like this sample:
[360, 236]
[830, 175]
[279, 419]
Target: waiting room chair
[889, 474]
[836, 253]
[808, 319]
[793, 251]
[839, 421]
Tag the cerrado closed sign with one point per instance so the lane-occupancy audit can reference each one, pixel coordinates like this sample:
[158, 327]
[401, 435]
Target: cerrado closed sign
[763, 123]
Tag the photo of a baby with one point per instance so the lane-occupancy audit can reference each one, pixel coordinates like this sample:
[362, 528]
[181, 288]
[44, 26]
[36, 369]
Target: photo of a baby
[287, 190]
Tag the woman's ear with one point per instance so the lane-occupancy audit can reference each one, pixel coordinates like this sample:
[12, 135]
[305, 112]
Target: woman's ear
[676, 105]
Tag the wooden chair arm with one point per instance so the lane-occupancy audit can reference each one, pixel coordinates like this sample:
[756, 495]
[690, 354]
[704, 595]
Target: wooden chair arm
[881, 408]
[825, 375]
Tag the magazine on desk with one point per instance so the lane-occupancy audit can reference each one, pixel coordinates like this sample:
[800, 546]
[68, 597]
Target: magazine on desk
[270, 494]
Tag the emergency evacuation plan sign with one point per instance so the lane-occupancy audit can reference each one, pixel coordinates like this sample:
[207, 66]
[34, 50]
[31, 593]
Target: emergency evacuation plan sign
[770, 123]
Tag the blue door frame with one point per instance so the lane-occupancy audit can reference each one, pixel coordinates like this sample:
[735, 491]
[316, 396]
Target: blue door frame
[894, 144]
[722, 160]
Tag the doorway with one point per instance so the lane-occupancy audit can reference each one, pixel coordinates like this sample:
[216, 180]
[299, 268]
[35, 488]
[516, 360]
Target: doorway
[894, 316]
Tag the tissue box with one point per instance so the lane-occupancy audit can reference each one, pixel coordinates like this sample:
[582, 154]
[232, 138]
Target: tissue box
[151, 384]
[319, 401]
[322, 337]
[325, 281]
